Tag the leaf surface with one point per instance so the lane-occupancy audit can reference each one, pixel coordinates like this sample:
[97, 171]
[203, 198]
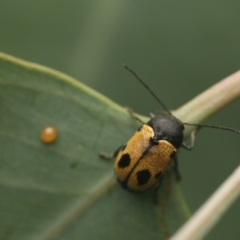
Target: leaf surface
[63, 190]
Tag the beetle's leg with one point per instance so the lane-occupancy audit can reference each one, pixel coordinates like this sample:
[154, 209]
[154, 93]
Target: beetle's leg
[152, 115]
[177, 177]
[193, 139]
[134, 115]
[105, 156]
[110, 156]
[176, 170]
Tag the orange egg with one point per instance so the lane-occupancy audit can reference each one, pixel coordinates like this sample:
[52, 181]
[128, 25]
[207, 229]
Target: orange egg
[49, 134]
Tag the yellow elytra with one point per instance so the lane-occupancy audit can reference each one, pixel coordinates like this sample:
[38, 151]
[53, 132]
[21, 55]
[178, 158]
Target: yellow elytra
[140, 164]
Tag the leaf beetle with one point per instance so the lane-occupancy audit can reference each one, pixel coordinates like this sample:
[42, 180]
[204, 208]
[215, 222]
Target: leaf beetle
[141, 162]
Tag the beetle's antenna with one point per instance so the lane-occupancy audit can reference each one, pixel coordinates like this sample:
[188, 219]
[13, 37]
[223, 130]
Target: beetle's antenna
[213, 126]
[166, 109]
[147, 87]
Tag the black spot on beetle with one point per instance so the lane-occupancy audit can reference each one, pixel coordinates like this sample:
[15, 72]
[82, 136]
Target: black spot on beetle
[173, 154]
[158, 175]
[143, 176]
[124, 161]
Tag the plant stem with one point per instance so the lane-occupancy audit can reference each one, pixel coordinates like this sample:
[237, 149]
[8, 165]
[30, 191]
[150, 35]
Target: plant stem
[210, 101]
[208, 215]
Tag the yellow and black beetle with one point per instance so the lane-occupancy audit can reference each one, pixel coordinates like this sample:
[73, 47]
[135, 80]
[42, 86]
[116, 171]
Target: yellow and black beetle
[142, 161]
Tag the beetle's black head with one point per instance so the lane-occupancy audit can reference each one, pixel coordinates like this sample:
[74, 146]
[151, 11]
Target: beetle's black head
[167, 127]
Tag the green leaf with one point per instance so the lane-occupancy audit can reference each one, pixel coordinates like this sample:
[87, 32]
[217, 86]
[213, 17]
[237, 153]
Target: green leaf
[63, 190]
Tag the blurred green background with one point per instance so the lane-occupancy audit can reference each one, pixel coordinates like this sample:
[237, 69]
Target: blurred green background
[180, 48]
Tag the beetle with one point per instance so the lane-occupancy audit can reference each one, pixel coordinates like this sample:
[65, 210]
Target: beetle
[141, 162]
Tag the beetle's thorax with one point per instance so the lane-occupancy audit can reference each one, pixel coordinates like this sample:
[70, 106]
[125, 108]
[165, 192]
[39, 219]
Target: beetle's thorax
[167, 127]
